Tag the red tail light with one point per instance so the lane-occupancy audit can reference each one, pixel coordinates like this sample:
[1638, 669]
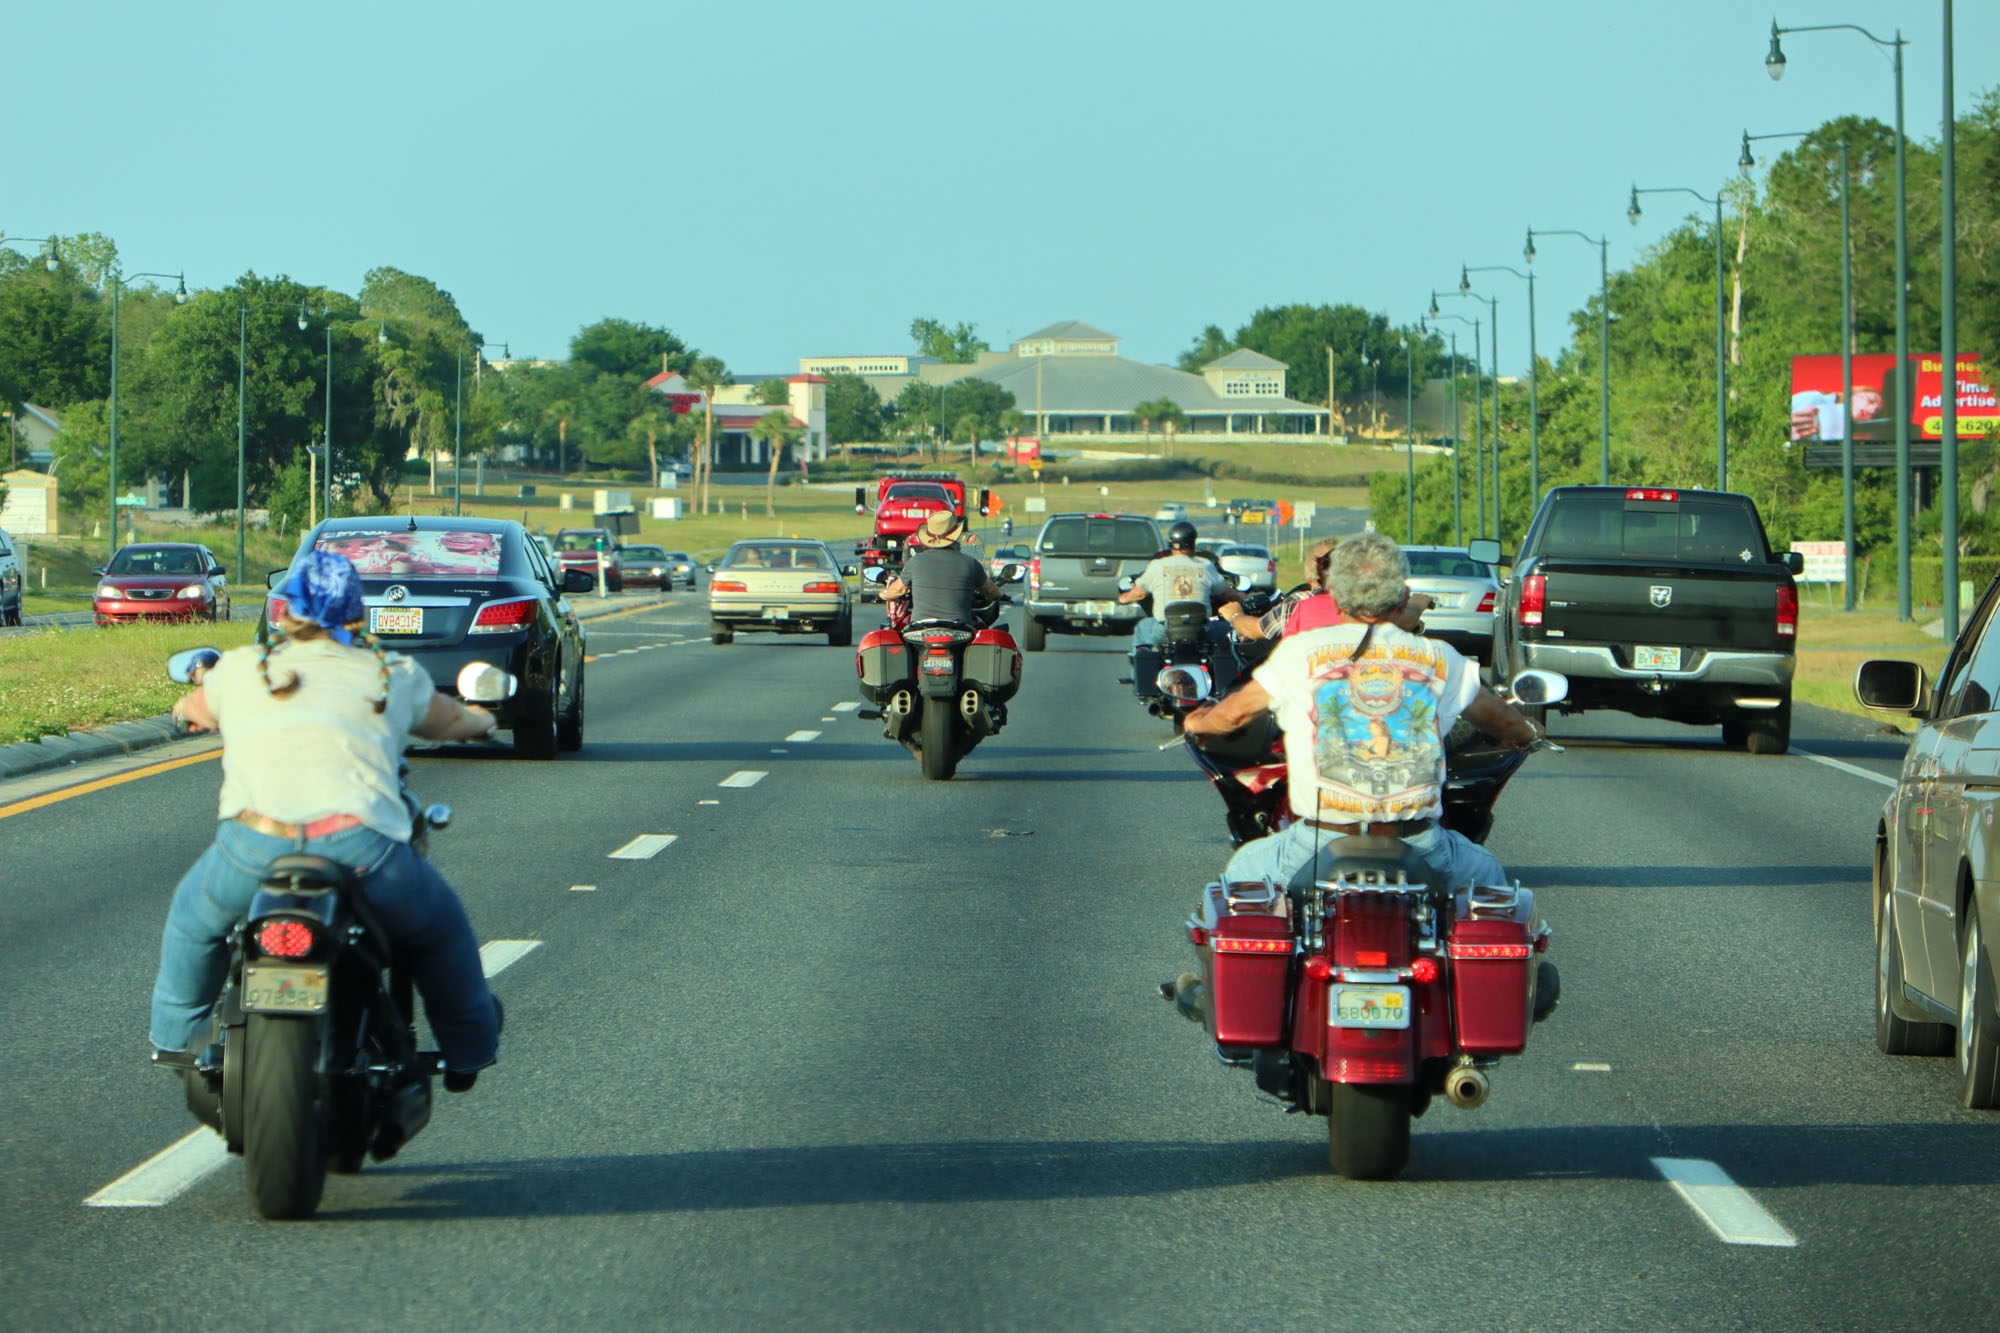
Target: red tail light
[285, 939]
[1197, 935]
[823, 585]
[1317, 968]
[1788, 613]
[1489, 952]
[1346, 1070]
[498, 617]
[1223, 945]
[1270, 566]
[1035, 574]
[1485, 605]
[276, 609]
[1534, 593]
[1371, 958]
[1651, 493]
[727, 585]
[1424, 971]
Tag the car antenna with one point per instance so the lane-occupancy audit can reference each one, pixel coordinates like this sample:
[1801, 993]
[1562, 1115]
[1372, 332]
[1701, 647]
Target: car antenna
[413, 523]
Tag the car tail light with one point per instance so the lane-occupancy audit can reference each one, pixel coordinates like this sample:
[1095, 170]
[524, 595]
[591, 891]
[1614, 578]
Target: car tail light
[1489, 952]
[1424, 971]
[1651, 493]
[1485, 605]
[728, 585]
[1788, 613]
[275, 609]
[285, 939]
[1035, 574]
[1534, 594]
[499, 617]
[823, 585]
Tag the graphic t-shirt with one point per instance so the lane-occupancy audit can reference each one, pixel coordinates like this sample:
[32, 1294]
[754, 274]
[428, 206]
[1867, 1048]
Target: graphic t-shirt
[1180, 578]
[1364, 737]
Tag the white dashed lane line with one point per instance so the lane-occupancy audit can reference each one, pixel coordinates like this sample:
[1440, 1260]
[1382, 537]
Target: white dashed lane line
[644, 847]
[1852, 769]
[829, 719]
[847, 707]
[496, 956]
[1729, 1210]
[803, 736]
[748, 777]
[583, 888]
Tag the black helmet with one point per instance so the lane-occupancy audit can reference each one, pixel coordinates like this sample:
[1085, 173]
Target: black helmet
[1180, 537]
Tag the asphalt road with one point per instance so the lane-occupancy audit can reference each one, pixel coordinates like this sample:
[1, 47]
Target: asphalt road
[857, 1050]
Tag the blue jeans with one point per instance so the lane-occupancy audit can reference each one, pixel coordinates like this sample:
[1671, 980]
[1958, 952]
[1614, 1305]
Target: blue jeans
[1285, 853]
[424, 918]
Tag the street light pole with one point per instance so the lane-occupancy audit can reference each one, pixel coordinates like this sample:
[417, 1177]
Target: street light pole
[1774, 64]
[111, 477]
[242, 360]
[1603, 245]
[1633, 214]
[1493, 314]
[458, 438]
[326, 438]
[1457, 503]
[1948, 358]
[1409, 436]
[1534, 359]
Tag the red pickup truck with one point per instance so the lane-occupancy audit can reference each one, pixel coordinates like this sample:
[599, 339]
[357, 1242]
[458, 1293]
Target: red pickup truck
[903, 501]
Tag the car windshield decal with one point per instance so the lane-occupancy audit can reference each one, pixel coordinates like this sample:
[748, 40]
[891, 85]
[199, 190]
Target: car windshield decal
[417, 554]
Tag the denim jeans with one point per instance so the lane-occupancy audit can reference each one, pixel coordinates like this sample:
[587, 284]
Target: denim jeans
[1285, 853]
[424, 918]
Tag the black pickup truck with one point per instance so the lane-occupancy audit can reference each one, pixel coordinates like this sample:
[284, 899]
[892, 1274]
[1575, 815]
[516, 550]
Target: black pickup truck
[1661, 603]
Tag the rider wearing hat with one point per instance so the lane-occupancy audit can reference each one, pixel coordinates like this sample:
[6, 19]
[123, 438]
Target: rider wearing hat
[314, 718]
[941, 580]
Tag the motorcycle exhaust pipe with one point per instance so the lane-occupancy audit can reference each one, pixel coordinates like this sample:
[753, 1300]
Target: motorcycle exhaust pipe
[1466, 1088]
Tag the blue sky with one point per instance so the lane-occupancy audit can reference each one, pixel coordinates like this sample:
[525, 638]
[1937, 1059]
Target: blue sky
[773, 180]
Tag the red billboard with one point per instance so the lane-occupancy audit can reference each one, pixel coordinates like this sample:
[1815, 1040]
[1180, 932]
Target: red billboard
[1818, 412]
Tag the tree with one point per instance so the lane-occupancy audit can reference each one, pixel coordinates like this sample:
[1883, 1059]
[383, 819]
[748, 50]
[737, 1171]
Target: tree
[705, 376]
[1162, 412]
[776, 430]
[853, 410]
[960, 345]
[621, 347]
[55, 338]
[1210, 345]
[1012, 424]
[772, 393]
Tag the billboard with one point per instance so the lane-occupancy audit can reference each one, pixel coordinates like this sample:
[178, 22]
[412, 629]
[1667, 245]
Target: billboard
[1818, 412]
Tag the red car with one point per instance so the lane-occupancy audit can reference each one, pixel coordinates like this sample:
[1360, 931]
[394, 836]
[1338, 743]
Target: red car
[162, 581]
[579, 548]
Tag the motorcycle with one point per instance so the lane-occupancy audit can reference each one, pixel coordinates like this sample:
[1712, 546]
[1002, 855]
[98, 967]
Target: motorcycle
[1362, 995]
[315, 1064]
[939, 687]
[1190, 642]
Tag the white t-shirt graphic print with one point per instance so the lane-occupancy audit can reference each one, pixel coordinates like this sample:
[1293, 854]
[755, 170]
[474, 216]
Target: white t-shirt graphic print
[1364, 736]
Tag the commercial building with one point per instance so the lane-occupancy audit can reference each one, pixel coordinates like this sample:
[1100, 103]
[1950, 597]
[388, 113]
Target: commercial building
[737, 412]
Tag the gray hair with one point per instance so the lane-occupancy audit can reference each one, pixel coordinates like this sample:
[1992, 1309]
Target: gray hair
[1368, 575]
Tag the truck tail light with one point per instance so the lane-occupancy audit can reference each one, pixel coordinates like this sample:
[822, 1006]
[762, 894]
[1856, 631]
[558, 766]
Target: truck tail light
[1035, 574]
[1788, 613]
[1651, 493]
[1534, 594]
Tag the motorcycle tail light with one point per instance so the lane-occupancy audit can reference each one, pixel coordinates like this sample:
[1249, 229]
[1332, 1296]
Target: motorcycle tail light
[285, 939]
[1371, 958]
[1318, 969]
[1489, 952]
[1345, 1069]
[1788, 612]
[1534, 595]
[1227, 945]
[1424, 971]
[1197, 935]
[499, 617]
[728, 585]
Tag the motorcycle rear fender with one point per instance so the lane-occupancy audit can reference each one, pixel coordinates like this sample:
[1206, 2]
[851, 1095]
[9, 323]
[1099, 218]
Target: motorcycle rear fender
[319, 907]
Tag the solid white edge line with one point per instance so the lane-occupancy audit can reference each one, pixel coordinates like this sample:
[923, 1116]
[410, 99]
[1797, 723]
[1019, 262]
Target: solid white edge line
[644, 847]
[1730, 1211]
[496, 956]
[803, 736]
[165, 1175]
[748, 777]
[1843, 767]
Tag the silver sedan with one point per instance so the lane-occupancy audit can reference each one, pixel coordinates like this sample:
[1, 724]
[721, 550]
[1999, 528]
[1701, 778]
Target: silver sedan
[1463, 592]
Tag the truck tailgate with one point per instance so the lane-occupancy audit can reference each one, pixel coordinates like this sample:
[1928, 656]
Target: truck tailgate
[1634, 602]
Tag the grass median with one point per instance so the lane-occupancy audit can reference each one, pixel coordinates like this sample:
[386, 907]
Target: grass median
[53, 681]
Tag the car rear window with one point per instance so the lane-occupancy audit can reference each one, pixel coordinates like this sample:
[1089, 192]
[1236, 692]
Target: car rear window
[749, 555]
[1446, 565]
[1126, 538]
[918, 490]
[432, 551]
[1597, 527]
[1253, 552]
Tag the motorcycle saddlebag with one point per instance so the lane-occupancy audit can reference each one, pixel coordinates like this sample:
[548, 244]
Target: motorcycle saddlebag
[993, 663]
[1248, 961]
[883, 663]
[1491, 948]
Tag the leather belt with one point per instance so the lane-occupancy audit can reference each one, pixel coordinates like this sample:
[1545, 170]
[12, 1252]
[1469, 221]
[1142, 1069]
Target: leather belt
[1393, 828]
[319, 828]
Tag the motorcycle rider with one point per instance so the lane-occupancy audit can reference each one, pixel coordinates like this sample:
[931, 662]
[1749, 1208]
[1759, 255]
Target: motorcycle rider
[314, 719]
[1180, 575]
[1365, 706]
[1313, 607]
[941, 580]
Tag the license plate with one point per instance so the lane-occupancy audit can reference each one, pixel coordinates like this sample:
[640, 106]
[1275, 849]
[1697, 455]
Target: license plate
[776, 613]
[938, 666]
[1369, 1007]
[395, 620]
[1656, 659]
[284, 990]
[1096, 608]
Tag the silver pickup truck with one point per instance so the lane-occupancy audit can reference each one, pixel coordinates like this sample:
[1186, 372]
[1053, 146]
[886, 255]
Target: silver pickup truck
[1073, 570]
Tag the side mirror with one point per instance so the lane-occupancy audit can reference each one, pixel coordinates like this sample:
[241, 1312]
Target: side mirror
[875, 574]
[1185, 682]
[578, 580]
[99, 571]
[220, 572]
[276, 579]
[710, 566]
[1125, 583]
[1011, 573]
[1487, 552]
[484, 683]
[1890, 686]
[1537, 688]
[860, 501]
[189, 667]
[847, 571]
[1795, 561]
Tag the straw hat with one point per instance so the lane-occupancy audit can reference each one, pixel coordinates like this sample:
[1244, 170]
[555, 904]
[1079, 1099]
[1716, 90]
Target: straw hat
[943, 528]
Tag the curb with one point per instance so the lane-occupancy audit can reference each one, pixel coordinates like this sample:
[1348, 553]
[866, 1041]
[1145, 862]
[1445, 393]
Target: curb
[28, 757]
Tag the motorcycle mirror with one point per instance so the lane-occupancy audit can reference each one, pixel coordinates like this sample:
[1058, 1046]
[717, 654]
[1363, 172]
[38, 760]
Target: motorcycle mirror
[188, 667]
[1125, 583]
[484, 683]
[1537, 688]
[1011, 573]
[1231, 579]
[1185, 682]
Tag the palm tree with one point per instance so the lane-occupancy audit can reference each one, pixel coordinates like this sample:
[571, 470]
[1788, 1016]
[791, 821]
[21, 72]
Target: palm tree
[1162, 412]
[1144, 412]
[776, 430]
[706, 376]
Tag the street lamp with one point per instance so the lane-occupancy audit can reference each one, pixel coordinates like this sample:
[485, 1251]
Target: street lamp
[1748, 163]
[1409, 433]
[51, 258]
[1534, 358]
[1633, 214]
[1478, 470]
[1603, 245]
[242, 360]
[1493, 314]
[117, 285]
[1774, 63]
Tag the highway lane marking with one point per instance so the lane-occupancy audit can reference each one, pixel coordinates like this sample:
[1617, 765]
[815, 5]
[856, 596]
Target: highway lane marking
[1731, 1213]
[781, 752]
[85, 788]
[496, 956]
[847, 707]
[583, 888]
[748, 777]
[166, 1175]
[803, 736]
[708, 802]
[828, 719]
[1803, 754]
[644, 847]
[1590, 1067]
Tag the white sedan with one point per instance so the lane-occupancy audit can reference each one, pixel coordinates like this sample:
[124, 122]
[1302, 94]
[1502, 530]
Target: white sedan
[1253, 566]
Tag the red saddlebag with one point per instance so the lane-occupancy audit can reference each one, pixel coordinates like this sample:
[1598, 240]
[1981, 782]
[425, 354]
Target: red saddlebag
[1248, 958]
[883, 663]
[1492, 952]
[993, 663]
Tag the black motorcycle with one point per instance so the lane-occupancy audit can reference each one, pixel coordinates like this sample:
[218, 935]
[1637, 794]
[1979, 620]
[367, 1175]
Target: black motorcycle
[1195, 636]
[315, 1064]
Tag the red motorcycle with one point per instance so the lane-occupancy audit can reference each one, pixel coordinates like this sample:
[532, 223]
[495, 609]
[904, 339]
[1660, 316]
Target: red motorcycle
[1362, 995]
[940, 686]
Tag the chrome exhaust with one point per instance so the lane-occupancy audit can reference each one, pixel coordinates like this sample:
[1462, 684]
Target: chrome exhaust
[1466, 1088]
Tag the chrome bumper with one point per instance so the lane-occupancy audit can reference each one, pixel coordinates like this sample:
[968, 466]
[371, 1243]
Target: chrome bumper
[1769, 671]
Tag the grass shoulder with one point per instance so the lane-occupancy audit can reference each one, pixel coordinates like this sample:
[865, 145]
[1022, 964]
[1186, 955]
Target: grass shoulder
[56, 681]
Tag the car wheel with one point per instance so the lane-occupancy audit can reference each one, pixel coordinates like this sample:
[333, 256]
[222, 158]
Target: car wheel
[1769, 732]
[1735, 733]
[841, 633]
[1978, 1024]
[1893, 1035]
[569, 730]
[616, 583]
[719, 632]
[1034, 634]
[535, 726]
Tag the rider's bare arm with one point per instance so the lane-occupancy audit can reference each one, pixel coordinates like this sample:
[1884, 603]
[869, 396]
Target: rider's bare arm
[893, 589]
[450, 719]
[1228, 714]
[1500, 719]
[1409, 616]
[192, 710]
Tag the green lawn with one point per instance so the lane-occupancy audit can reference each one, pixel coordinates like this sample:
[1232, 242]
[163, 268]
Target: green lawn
[53, 681]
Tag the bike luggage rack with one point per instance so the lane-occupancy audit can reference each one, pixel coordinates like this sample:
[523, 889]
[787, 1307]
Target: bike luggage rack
[1492, 901]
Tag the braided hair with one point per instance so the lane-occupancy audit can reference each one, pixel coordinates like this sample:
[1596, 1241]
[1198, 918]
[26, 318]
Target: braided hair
[288, 628]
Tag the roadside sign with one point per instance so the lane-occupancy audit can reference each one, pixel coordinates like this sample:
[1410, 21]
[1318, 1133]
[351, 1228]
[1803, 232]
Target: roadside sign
[132, 501]
[1035, 504]
[1826, 562]
[1303, 512]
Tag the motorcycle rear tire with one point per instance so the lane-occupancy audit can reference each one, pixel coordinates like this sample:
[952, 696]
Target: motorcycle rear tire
[938, 740]
[1368, 1130]
[284, 1152]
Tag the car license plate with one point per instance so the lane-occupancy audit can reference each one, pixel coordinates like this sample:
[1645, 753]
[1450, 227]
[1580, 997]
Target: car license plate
[1369, 1007]
[777, 613]
[395, 620]
[284, 990]
[1096, 608]
[1656, 659]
